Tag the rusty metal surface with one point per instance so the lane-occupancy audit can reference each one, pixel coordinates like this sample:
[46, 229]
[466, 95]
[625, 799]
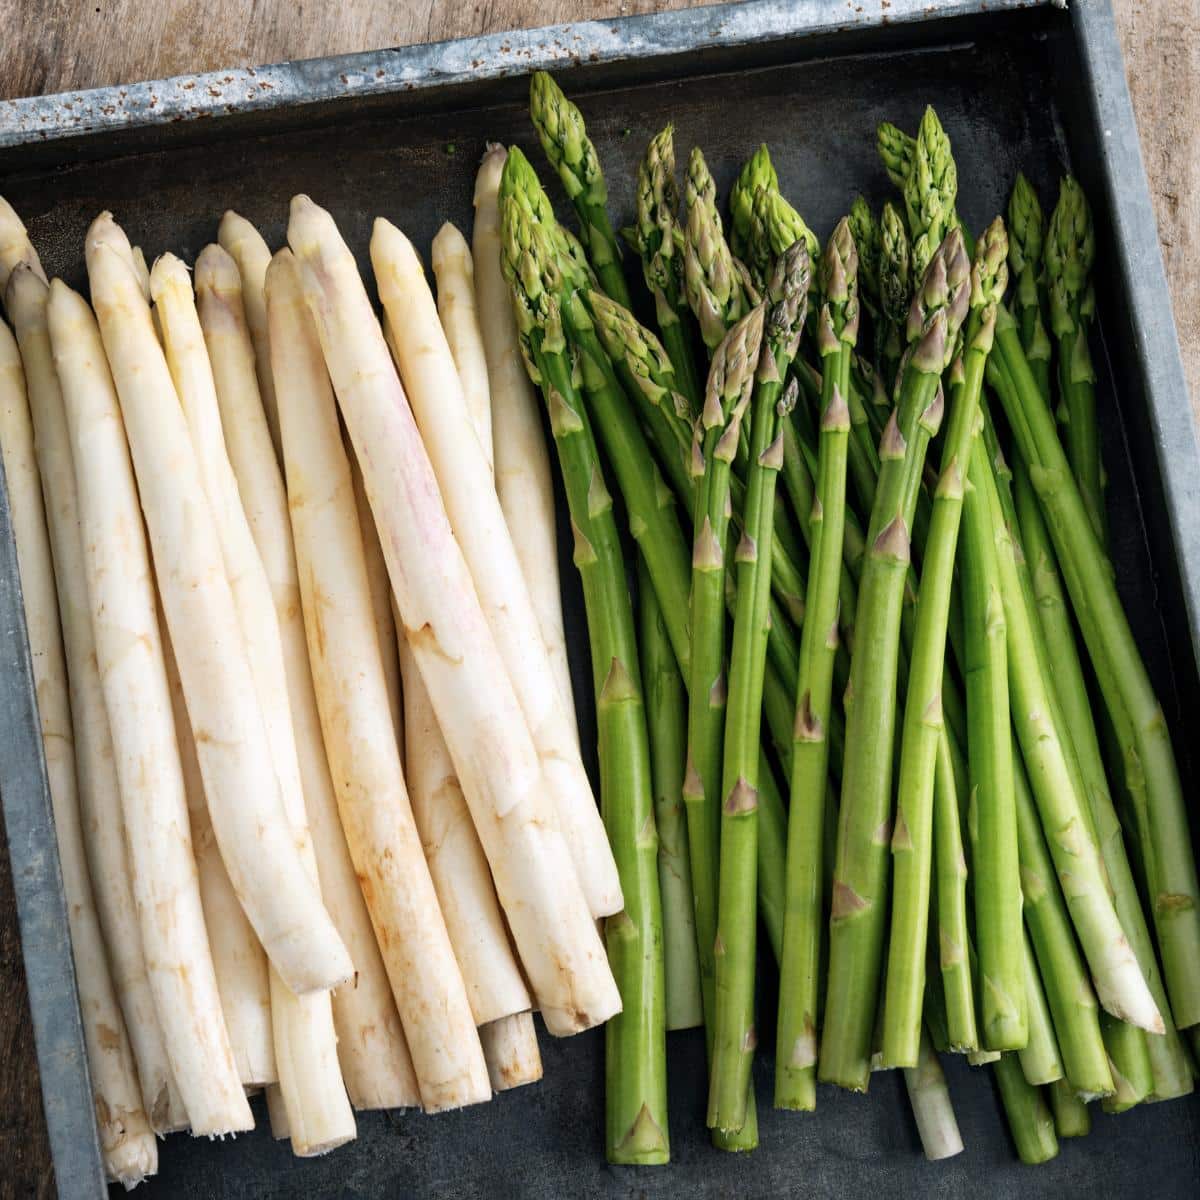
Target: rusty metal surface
[1033, 89]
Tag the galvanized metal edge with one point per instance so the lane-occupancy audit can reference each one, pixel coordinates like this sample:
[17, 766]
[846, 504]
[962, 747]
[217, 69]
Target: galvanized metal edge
[41, 907]
[411, 68]
[1145, 281]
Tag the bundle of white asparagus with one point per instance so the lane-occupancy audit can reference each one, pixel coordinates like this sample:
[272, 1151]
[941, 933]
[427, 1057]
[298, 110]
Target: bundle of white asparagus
[293, 606]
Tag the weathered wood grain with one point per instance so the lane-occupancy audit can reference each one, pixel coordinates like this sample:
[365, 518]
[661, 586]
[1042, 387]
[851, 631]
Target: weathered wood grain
[57, 45]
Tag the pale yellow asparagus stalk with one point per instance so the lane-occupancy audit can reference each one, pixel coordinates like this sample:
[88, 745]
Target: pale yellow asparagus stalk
[457, 862]
[510, 1046]
[305, 1043]
[141, 270]
[360, 741]
[431, 381]
[489, 741]
[15, 246]
[99, 791]
[522, 463]
[381, 599]
[371, 1048]
[129, 654]
[454, 270]
[241, 965]
[126, 1139]
[244, 799]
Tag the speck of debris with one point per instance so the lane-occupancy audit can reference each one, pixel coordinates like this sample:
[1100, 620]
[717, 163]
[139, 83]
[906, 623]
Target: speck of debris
[215, 92]
[344, 78]
[451, 149]
[187, 87]
[627, 132]
[379, 72]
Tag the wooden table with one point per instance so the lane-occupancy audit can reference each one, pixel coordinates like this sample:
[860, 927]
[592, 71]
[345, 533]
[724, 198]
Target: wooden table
[55, 45]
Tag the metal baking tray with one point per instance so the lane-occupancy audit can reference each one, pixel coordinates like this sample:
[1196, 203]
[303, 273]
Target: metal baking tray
[399, 132]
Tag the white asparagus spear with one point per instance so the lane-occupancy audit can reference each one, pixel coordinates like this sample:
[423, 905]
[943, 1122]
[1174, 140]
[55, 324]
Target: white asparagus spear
[238, 959]
[511, 1048]
[141, 270]
[245, 245]
[136, 697]
[457, 862]
[319, 1114]
[381, 598]
[431, 382]
[359, 738]
[15, 246]
[277, 1113]
[454, 271]
[371, 1048]
[126, 1139]
[100, 814]
[243, 793]
[523, 480]
[489, 741]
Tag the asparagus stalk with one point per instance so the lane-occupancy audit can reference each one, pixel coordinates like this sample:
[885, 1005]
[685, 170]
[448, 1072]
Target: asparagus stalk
[716, 288]
[667, 713]
[757, 172]
[1168, 1058]
[1071, 1116]
[1041, 1062]
[454, 270]
[129, 655]
[1029, 1119]
[1026, 237]
[659, 242]
[1070, 251]
[245, 245]
[476, 707]
[521, 458]
[427, 368]
[894, 288]
[860, 871]
[560, 129]
[54, 623]
[510, 1047]
[15, 247]
[930, 1100]
[1125, 686]
[734, 1037]
[796, 1049]
[1004, 1025]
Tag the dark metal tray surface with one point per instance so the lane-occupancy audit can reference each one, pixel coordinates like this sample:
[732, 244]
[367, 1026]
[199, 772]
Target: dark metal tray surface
[399, 133]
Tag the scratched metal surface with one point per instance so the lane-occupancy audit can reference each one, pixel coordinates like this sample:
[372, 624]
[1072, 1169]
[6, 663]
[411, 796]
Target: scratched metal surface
[1014, 89]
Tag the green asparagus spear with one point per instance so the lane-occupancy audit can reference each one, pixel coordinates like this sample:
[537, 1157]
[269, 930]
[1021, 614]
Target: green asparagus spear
[635, 1071]
[1029, 1119]
[1071, 1116]
[865, 231]
[1167, 1055]
[930, 1100]
[659, 243]
[716, 289]
[1026, 238]
[860, 872]
[666, 718]
[796, 1050]
[895, 289]
[733, 1044]
[1128, 694]
[757, 172]
[1004, 1025]
[1070, 251]
[1041, 1062]
[560, 129]
[896, 151]
[930, 189]
[774, 226]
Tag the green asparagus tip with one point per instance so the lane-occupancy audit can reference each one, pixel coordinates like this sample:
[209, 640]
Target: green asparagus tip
[866, 233]
[1026, 226]
[930, 189]
[757, 172]
[1069, 253]
[989, 271]
[894, 273]
[731, 376]
[774, 226]
[657, 203]
[940, 306]
[896, 149]
[712, 283]
[838, 284]
[625, 339]
[563, 135]
[787, 295]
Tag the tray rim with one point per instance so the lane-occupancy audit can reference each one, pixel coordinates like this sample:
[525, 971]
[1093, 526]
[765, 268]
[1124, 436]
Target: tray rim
[217, 95]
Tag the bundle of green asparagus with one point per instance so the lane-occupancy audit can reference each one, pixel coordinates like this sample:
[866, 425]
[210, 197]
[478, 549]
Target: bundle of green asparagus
[906, 721]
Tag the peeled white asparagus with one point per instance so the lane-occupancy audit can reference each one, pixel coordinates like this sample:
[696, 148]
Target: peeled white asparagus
[238, 959]
[136, 696]
[359, 738]
[431, 382]
[381, 598]
[456, 861]
[477, 710]
[371, 1048]
[305, 1043]
[100, 813]
[277, 1113]
[245, 245]
[141, 269]
[15, 246]
[523, 480]
[126, 1139]
[450, 257]
[240, 785]
[511, 1048]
